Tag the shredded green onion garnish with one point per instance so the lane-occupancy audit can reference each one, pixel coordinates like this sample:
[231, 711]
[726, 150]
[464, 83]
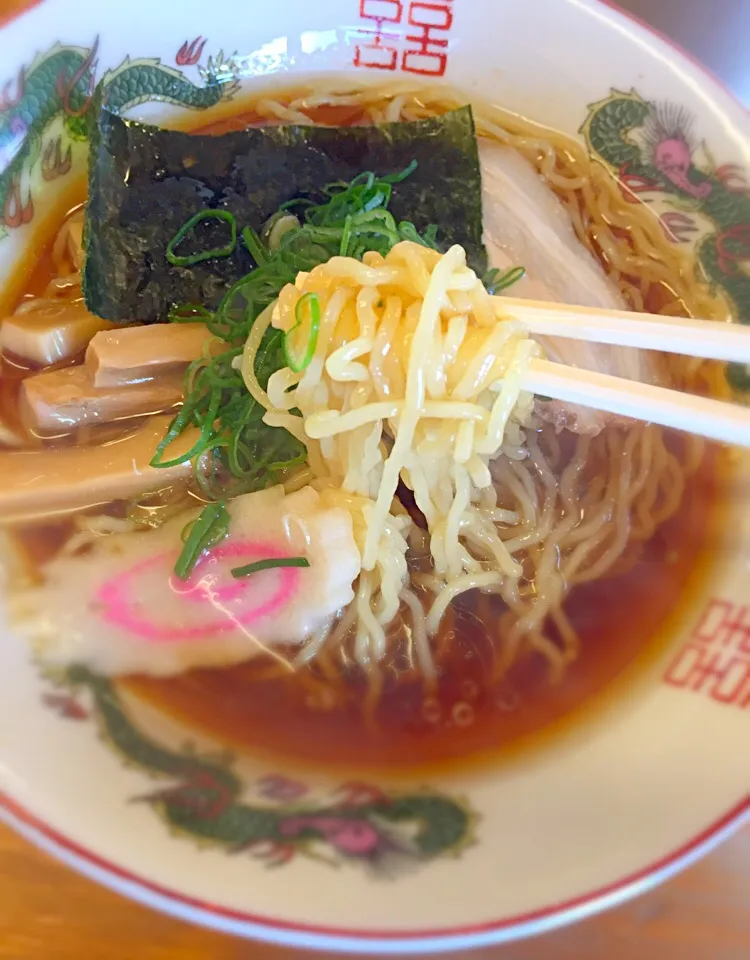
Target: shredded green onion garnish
[495, 281]
[269, 564]
[254, 246]
[300, 342]
[236, 452]
[209, 527]
[191, 224]
[189, 313]
[402, 175]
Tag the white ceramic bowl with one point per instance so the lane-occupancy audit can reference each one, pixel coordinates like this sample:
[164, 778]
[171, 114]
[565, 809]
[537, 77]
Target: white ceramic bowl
[579, 821]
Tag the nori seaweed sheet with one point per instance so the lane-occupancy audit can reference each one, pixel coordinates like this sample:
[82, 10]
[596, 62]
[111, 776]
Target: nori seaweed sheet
[146, 182]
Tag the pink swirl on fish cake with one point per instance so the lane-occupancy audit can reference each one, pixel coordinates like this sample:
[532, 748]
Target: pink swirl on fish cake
[118, 606]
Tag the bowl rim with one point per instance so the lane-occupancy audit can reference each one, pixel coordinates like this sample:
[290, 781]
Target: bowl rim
[320, 937]
[289, 933]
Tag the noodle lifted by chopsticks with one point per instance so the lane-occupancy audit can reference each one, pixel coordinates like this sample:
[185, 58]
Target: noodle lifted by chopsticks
[412, 378]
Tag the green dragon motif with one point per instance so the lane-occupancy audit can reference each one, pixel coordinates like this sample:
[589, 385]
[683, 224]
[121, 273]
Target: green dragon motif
[204, 800]
[663, 162]
[61, 84]
[608, 126]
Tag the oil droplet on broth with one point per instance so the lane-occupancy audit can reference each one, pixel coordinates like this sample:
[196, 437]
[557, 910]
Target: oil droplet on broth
[462, 714]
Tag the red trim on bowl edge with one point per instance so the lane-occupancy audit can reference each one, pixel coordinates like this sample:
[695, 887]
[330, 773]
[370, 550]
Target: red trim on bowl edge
[671, 42]
[730, 820]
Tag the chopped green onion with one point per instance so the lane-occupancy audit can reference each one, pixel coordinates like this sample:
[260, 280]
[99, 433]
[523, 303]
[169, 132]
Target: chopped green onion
[188, 313]
[269, 564]
[378, 198]
[408, 231]
[299, 202]
[202, 215]
[300, 342]
[346, 236]
[279, 224]
[236, 452]
[211, 526]
[278, 466]
[495, 281]
[254, 246]
[398, 177]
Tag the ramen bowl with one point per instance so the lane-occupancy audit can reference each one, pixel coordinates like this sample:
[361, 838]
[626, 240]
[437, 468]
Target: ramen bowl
[615, 791]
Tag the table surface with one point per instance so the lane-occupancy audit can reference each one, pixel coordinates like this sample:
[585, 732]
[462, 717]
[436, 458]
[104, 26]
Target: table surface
[49, 913]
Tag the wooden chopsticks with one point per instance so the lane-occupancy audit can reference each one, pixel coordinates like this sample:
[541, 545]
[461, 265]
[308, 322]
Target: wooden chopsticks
[711, 340]
[728, 422]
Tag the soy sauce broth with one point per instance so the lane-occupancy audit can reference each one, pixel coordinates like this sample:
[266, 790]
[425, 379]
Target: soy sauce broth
[305, 717]
[302, 717]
